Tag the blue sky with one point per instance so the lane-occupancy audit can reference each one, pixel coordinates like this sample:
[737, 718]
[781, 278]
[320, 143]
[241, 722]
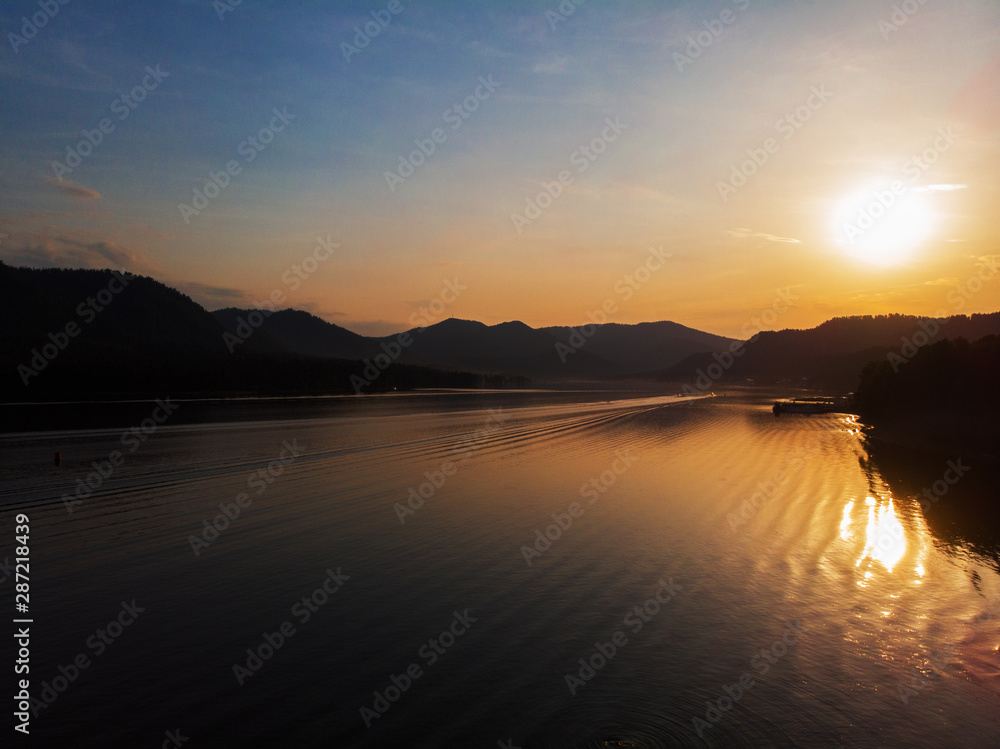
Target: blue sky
[685, 125]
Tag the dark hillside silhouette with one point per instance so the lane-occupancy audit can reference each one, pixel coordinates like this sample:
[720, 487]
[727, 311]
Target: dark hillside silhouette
[947, 395]
[833, 354]
[81, 334]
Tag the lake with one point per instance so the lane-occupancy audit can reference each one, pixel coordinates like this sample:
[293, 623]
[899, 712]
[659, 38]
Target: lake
[525, 569]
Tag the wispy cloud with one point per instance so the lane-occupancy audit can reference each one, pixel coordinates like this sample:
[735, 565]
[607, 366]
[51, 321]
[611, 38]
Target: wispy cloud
[940, 188]
[750, 234]
[554, 66]
[214, 297]
[66, 252]
[73, 190]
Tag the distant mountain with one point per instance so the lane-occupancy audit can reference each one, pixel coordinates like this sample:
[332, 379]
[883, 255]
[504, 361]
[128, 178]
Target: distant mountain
[510, 347]
[77, 333]
[80, 333]
[558, 353]
[297, 332]
[646, 346]
[72, 334]
[69, 331]
[113, 309]
[834, 353]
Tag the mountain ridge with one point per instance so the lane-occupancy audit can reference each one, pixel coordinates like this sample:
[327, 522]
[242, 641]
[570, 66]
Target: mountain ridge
[833, 353]
[512, 346]
[74, 329]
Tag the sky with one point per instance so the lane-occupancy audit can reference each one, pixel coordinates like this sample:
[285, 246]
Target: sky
[731, 166]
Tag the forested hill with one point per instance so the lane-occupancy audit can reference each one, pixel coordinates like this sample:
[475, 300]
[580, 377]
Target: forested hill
[82, 334]
[947, 394]
[833, 354]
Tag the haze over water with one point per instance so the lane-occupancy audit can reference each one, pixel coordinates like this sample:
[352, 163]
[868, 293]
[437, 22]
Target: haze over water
[896, 627]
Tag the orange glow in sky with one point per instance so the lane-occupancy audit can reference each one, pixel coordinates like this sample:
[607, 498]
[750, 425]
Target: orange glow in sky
[819, 148]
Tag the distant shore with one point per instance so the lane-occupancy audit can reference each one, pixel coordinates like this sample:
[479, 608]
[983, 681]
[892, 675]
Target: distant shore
[941, 432]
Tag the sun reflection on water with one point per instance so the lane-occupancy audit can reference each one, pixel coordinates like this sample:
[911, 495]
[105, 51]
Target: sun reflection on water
[845, 523]
[885, 539]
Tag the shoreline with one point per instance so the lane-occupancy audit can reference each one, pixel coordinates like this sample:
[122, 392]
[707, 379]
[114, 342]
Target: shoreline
[898, 435]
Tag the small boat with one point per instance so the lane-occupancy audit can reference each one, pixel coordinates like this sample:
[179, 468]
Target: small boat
[808, 406]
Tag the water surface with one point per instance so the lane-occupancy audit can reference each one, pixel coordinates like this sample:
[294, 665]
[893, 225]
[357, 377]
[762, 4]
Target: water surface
[878, 627]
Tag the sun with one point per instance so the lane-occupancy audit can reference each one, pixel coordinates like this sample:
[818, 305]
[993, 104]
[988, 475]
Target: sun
[884, 226]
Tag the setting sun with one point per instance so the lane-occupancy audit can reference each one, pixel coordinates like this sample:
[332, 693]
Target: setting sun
[519, 374]
[885, 226]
